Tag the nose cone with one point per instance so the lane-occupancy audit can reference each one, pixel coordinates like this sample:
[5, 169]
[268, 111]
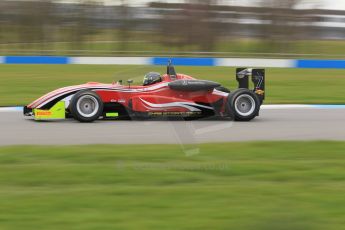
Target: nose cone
[53, 94]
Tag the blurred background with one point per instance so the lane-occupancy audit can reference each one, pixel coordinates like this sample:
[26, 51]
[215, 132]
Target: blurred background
[232, 28]
[257, 185]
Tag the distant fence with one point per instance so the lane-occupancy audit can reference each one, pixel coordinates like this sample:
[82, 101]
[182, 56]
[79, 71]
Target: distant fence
[182, 61]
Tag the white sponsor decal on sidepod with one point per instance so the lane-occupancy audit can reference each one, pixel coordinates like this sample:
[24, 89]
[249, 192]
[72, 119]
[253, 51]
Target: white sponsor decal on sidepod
[187, 105]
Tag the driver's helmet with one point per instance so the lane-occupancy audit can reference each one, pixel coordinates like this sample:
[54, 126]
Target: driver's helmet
[152, 78]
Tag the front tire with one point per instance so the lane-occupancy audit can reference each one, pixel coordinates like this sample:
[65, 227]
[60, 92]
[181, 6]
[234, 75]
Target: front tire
[86, 106]
[243, 104]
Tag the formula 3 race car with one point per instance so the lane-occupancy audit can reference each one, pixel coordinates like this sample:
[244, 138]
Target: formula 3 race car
[168, 95]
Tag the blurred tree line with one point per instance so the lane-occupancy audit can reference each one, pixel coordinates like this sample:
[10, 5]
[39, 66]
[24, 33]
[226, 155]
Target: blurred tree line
[196, 25]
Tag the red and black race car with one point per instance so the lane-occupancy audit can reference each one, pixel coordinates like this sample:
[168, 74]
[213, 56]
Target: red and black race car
[168, 95]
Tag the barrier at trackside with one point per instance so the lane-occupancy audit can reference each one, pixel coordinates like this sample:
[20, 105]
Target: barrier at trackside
[179, 61]
[35, 60]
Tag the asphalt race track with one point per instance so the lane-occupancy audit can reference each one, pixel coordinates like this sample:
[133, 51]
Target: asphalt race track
[272, 124]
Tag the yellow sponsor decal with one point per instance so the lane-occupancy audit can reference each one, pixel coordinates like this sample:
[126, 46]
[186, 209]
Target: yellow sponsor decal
[173, 113]
[260, 92]
[112, 114]
[43, 113]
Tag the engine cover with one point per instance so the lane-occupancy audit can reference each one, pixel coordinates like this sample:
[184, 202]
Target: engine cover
[193, 85]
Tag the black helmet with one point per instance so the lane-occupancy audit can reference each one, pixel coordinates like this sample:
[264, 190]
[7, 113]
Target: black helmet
[151, 78]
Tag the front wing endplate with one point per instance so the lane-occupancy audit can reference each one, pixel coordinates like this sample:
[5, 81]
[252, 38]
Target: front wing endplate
[54, 113]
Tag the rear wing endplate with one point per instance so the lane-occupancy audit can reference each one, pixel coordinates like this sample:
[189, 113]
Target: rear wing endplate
[257, 77]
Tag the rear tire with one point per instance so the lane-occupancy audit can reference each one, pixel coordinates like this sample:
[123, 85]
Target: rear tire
[243, 105]
[86, 106]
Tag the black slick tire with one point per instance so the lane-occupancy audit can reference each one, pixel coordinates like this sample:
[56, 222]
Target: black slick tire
[86, 106]
[243, 105]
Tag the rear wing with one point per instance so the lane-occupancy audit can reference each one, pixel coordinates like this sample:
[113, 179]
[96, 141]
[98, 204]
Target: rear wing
[257, 77]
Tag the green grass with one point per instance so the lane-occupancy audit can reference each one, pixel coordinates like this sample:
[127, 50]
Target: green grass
[255, 185]
[21, 84]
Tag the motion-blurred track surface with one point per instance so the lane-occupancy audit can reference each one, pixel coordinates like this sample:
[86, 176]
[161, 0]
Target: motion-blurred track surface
[272, 124]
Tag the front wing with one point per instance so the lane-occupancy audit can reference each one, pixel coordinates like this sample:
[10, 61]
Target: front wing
[57, 112]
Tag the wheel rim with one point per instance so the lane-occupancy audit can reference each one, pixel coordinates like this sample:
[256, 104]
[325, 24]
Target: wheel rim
[87, 106]
[244, 105]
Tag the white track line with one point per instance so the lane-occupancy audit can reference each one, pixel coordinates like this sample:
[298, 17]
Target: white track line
[287, 106]
[302, 106]
[11, 109]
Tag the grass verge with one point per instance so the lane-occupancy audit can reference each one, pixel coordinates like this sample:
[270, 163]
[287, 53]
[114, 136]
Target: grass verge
[255, 185]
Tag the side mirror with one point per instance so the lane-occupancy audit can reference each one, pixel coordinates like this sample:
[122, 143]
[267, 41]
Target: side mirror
[171, 70]
[129, 81]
